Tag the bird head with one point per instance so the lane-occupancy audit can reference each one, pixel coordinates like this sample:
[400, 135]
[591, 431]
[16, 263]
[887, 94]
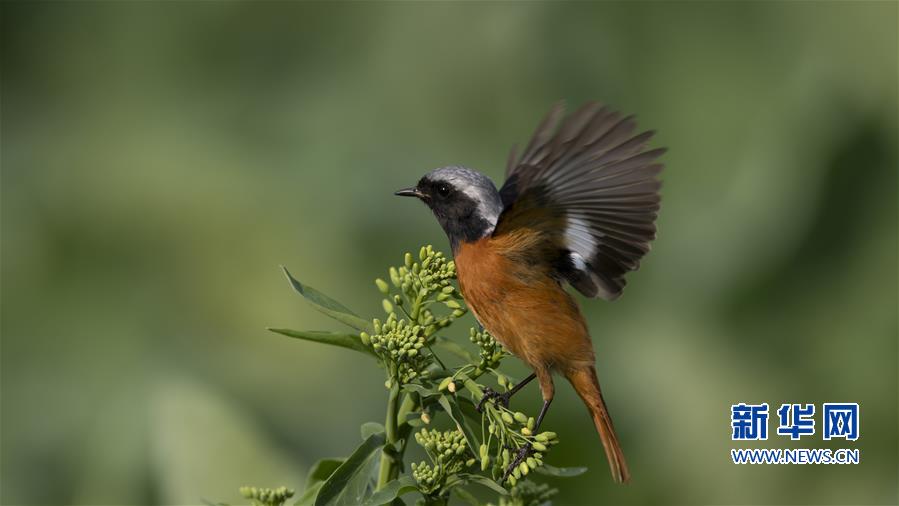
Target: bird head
[466, 203]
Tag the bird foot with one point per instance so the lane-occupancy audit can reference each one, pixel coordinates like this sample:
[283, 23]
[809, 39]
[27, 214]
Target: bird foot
[523, 453]
[497, 398]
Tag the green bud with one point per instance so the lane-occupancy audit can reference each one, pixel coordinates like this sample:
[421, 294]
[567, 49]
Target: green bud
[525, 431]
[407, 260]
[521, 417]
[523, 467]
[452, 304]
[445, 383]
[502, 380]
[531, 463]
[458, 313]
[395, 277]
[442, 297]
[470, 462]
[397, 300]
[423, 253]
[513, 480]
[388, 307]
[531, 423]
[366, 339]
[483, 451]
[540, 447]
[382, 286]
[507, 418]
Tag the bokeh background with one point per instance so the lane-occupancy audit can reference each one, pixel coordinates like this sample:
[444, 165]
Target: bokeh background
[160, 160]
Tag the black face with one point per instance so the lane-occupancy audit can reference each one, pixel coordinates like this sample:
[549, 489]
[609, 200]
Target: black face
[456, 211]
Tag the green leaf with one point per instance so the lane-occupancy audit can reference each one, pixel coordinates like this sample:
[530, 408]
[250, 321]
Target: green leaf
[483, 480]
[452, 409]
[392, 490]
[418, 389]
[308, 497]
[349, 482]
[349, 341]
[322, 470]
[562, 472]
[327, 305]
[467, 496]
[455, 348]
[469, 410]
[369, 428]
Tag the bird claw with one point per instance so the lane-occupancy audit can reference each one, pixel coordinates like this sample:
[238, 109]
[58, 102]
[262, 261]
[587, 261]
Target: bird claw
[523, 453]
[492, 395]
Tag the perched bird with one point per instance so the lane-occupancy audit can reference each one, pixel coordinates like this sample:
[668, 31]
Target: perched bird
[578, 206]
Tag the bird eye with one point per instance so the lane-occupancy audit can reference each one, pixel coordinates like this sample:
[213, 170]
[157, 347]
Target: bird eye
[443, 190]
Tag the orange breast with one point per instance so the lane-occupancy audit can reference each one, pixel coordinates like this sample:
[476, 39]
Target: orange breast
[521, 304]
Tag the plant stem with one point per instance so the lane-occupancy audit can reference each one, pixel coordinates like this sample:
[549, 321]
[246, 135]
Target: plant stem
[388, 460]
[407, 406]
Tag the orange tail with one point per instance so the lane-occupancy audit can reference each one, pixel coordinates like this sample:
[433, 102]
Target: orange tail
[587, 386]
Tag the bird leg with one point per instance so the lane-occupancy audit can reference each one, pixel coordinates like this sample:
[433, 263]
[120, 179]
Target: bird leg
[548, 390]
[502, 399]
[526, 450]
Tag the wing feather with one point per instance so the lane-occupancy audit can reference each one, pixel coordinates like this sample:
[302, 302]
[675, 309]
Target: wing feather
[593, 174]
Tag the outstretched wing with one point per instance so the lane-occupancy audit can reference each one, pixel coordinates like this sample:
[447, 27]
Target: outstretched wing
[589, 186]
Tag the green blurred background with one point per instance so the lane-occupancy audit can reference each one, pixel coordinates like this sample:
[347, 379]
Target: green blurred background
[160, 160]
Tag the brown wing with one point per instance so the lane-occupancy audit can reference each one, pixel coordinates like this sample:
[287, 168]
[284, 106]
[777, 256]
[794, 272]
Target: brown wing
[589, 185]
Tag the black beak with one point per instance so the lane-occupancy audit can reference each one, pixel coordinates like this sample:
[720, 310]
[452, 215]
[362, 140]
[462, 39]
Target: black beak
[410, 192]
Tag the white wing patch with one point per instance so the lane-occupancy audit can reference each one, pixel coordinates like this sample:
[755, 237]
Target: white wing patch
[582, 244]
[579, 237]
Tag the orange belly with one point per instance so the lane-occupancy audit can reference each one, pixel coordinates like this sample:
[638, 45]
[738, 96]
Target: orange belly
[522, 305]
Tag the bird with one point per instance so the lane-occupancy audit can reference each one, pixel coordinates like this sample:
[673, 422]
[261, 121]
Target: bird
[578, 207]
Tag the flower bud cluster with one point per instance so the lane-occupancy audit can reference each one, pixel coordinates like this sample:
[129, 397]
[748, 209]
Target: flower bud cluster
[491, 352]
[418, 281]
[528, 493]
[432, 271]
[401, 346]
[449, 453]
[524, 467]
[429, 478]
[267, 496]
[515, 430]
